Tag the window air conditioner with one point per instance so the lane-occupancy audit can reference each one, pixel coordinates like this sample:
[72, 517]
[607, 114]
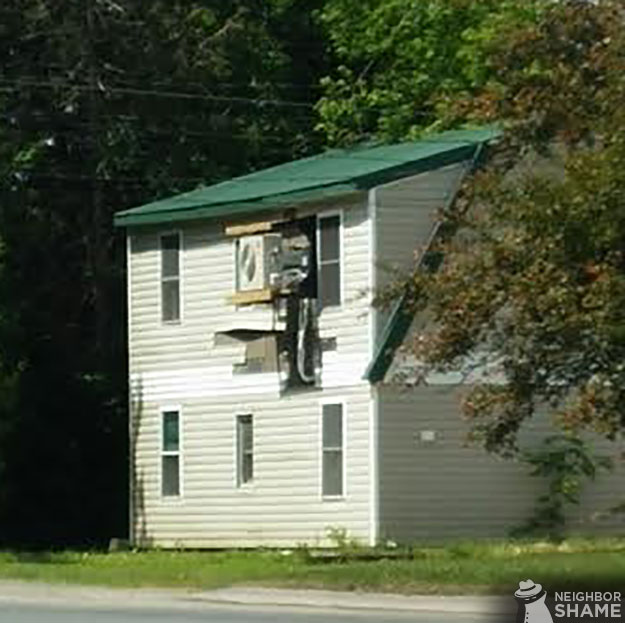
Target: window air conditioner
[258, 261]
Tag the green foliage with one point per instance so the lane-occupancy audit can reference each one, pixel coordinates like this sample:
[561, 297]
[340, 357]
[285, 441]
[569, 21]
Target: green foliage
[401, 63]
[533, 283]
[103, 106]
[482, 567]
[564, 462]
[340, 539]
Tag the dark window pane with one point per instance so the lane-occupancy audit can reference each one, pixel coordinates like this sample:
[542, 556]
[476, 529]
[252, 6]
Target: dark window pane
[171, 476]
[329, 285]
[170, 254]
[246, 433]
[247, 468]
[332, 426]
[332, 472]
[171, 300]
[329, 231]
[171, 432]
[245, 444]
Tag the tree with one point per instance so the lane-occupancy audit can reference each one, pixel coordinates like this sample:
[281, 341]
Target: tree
[533, 280]
[400, 63]
[106, 104]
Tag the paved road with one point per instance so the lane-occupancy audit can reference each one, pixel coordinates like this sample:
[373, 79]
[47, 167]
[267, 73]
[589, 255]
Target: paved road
[22, 602]
[19, 612]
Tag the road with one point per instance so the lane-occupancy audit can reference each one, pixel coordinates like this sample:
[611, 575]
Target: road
[25, 602]
[16, 612]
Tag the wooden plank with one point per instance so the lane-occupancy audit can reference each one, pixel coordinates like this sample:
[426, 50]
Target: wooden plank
[250, 297]
[244, 229]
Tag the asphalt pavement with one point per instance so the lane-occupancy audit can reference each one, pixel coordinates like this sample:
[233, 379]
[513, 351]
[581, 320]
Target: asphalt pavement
[28, 613]
[43, 603]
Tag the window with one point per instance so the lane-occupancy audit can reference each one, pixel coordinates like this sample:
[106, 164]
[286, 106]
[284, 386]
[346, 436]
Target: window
[245, 449]
[332, 450]
[329, 234]
[170, 278]
[170, 454]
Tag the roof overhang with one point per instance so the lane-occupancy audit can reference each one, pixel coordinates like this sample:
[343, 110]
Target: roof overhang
[203, 203]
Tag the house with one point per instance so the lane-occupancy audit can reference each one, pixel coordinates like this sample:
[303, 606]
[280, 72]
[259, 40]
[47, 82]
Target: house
[259, 411]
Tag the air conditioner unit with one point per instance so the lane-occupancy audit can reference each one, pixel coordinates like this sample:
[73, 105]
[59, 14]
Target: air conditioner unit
[258, 261]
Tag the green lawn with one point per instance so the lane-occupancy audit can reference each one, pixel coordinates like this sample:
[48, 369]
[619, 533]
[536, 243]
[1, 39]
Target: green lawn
[462, 568]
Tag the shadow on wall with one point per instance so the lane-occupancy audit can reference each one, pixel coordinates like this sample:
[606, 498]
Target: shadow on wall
[138, 526]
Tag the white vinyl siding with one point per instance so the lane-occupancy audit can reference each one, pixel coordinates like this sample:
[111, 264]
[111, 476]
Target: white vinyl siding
[329, 275]
[170, 453]
[181, 364]
[170, 277]
[245, 449]
[169, 360]
[332, 450]
[283, 507]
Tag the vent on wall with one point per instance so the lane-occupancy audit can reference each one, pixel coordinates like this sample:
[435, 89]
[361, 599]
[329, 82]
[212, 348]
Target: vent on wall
[257, 261]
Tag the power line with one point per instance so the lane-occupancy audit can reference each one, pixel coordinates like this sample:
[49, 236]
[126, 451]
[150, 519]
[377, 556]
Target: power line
[154, 135]
[75, 121]
[53, 84]
[107, 67]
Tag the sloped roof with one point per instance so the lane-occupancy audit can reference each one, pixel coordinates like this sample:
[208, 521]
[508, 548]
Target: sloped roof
[332, 173]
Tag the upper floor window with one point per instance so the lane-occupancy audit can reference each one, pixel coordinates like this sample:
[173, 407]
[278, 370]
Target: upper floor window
[329, 254]
[170, 277]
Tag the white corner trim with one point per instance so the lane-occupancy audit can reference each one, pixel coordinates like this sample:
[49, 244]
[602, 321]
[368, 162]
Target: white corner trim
[131, 437]
[374, 486]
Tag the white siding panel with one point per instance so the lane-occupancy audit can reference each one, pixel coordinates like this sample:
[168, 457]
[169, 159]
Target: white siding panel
[349, 323]
[208, 282]
[283, 506]
[181, 364]
[444, 489]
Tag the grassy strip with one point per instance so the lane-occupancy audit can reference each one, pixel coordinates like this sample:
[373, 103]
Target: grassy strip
[462, 568]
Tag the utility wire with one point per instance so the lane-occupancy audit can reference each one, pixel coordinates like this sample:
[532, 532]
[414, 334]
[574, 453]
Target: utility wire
[141, 76]
[54, 84]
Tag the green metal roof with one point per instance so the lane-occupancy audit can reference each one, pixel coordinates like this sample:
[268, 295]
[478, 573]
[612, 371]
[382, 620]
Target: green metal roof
[333, 173]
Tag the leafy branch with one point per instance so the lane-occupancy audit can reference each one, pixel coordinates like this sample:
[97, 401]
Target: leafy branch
[565, 462]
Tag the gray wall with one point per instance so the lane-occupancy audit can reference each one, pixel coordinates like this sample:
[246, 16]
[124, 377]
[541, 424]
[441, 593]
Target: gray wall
[443, 489]
[406, 211]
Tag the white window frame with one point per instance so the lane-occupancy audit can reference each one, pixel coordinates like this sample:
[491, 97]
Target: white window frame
[163, 453]
[343, 495]
[238, 452]
[341, 258]
[162, 279]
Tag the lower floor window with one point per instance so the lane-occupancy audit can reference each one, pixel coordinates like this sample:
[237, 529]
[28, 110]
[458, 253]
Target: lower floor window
[245, 449]
[170, 454]
[332, 476]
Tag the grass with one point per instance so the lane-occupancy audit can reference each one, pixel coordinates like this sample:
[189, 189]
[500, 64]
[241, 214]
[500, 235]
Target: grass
[492, 567]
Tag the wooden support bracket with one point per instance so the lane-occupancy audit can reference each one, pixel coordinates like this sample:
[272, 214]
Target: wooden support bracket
[245, 229]
[250, 297]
